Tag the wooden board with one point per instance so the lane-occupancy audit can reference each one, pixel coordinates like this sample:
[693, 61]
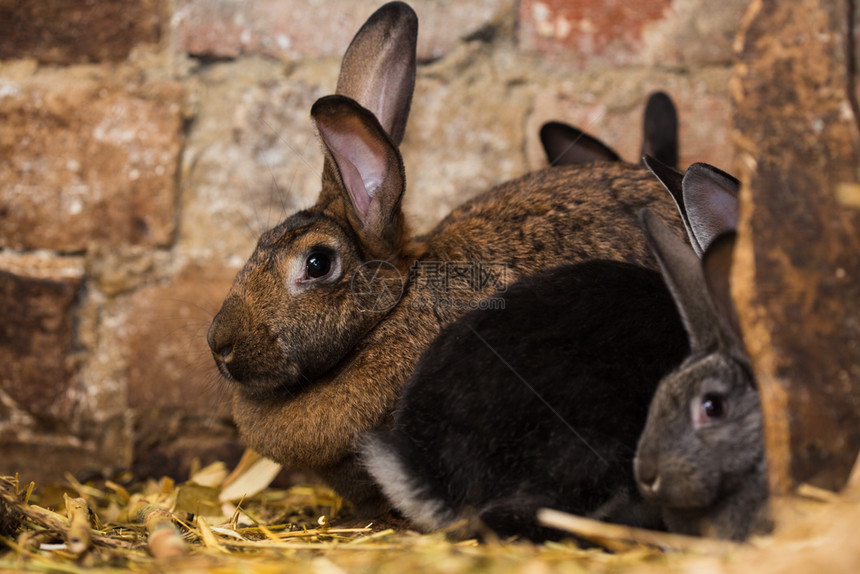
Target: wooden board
[797, 271]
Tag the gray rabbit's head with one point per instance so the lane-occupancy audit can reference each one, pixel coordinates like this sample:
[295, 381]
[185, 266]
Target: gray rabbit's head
[701, 455]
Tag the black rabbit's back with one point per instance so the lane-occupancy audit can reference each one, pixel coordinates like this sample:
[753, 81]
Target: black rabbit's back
[541, 403]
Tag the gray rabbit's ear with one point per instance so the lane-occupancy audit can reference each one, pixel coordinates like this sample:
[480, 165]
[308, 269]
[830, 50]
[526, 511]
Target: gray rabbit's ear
[660, 129]
[683, 274]
[672, 180]
[717, 265]
[564, 144]
[711, 200]
[378, 69]
[368, 163]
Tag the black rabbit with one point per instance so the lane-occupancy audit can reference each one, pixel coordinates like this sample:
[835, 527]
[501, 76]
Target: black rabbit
[565, 144]
[536, 401]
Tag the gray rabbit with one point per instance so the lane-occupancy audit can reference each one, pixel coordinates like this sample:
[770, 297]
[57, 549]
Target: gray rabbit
[701, 456]
[706, 197]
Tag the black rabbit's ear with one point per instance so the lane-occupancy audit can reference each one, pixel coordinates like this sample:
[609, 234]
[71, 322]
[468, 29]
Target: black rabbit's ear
[683, 274]
[717, 265]
[660, 129]
[711, 200]
[368, 164]
[378, 69]
[672, 180]
[564, 144]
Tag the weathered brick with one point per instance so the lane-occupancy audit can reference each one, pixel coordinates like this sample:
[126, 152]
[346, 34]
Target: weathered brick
[87, 158]
[693, 33]
[37, 338]
[48, 423]
[177, 398]
[47, 459]
[252, 156]
[595, 33]
[297, 29]
[76, 31]
[584, 30]
[465, 133]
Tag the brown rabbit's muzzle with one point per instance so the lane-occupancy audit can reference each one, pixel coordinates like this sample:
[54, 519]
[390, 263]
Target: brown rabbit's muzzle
[247, 353]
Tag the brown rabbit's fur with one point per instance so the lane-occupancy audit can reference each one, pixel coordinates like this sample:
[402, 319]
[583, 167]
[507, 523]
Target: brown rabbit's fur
[313, 370]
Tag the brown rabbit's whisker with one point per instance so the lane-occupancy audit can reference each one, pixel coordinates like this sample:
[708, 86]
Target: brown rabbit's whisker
[282, 197]
[290, 146]
[208, 313]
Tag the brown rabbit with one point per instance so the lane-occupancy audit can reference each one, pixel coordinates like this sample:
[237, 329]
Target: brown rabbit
[327, 319]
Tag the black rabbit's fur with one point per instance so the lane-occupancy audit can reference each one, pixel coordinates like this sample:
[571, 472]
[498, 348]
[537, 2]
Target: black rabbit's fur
[538, 404]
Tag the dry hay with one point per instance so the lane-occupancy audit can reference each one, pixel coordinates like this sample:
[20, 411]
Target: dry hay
[107, 526]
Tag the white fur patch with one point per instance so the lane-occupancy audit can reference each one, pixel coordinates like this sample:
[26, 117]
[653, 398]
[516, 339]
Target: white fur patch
[403, 490]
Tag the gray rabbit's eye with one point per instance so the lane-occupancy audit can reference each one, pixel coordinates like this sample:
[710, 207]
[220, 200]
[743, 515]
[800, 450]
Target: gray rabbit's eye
[708, 408]
[318, 265]
[714, 406]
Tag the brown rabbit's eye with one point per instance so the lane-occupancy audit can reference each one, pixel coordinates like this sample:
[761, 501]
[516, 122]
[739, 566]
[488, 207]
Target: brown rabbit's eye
[318, 265]
[714, 406]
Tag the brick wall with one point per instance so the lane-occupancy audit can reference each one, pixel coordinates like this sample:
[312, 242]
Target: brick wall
[142, 150]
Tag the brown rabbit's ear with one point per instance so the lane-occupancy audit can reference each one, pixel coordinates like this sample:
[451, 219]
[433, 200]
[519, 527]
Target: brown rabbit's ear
[660, 129]
[672, 180]
[683, 274]
[711, 200]
[717, 264]
[564, 144]
[368, 163]
[378, 69]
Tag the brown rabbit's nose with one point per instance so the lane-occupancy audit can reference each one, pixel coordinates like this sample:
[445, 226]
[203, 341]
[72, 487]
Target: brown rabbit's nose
[221, 335]
[225, 353]
[219, 343]
[222, 350]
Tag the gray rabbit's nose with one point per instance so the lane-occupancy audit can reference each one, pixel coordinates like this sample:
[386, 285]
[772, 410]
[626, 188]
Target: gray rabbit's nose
[647, 475]
[653, 487]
